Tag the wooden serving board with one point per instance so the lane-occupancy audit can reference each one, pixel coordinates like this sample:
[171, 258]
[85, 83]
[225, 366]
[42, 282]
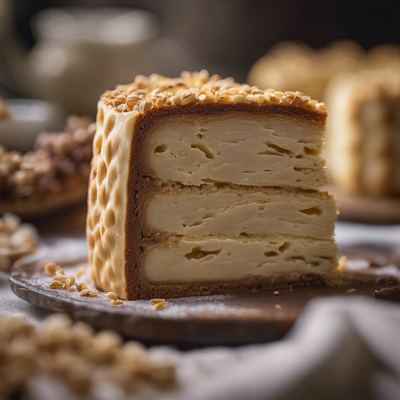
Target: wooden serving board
[365, 208]
[229, 319]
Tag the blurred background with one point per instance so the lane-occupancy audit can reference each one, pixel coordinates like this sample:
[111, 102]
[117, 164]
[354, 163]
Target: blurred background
[58, 57]
[223, 36]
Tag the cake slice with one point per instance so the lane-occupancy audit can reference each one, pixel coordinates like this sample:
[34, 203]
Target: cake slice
[201, 185]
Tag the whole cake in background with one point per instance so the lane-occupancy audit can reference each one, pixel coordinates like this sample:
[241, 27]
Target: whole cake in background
[364, 131]
[50, 177]
[360, 89]
[200, 185]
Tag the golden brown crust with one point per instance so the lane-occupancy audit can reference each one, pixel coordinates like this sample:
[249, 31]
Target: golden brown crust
[141, 186]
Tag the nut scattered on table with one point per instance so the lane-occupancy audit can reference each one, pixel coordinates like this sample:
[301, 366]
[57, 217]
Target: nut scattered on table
[158, 304]
[81, 286]
[116, 302]
[56, 285]
[112, 295]
[72, 354]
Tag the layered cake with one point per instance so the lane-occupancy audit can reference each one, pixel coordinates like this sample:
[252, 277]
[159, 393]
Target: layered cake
[201, 185]
[364, 131]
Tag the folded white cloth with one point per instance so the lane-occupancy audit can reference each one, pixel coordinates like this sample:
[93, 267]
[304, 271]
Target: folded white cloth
[339, 349]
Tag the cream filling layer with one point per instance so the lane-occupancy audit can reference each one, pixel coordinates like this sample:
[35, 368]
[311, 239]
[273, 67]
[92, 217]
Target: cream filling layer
[233, 213]
[180, 260]
[261, 150]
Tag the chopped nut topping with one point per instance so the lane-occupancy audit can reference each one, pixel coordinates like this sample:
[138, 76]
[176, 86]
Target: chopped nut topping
[197, 87]
[112, 295]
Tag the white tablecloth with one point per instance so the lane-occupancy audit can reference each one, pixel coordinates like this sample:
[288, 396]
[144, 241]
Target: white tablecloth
[340, 348]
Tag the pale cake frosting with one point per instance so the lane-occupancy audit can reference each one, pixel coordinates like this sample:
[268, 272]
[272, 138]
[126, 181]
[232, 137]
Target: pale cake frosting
[158, 161]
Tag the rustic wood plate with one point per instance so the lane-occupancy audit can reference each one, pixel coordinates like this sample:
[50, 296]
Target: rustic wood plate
[365, 208]
[230, 319]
